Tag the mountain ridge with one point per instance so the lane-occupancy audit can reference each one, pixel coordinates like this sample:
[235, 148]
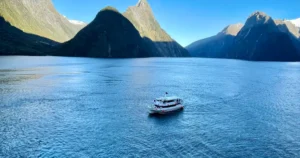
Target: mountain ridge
[214, 46]
[260, 39]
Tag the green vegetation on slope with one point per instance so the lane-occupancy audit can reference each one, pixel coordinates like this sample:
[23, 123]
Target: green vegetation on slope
[38, 17]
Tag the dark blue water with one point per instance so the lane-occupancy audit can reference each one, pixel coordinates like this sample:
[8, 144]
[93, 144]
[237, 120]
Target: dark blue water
[81, 107]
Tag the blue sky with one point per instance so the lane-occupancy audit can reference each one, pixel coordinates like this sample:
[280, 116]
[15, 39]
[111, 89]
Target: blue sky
[187, 20]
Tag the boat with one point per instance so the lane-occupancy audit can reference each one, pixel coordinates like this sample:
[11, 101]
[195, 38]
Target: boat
[164, 105]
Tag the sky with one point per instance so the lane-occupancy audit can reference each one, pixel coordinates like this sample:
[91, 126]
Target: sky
[187, 21]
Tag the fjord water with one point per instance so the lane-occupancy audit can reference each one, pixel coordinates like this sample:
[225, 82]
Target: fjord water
[83, 107]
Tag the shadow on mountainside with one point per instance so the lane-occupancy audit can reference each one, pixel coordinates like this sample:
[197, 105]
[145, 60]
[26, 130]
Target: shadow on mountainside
[295, 40]
[158, 48]
[14, 41]
[111, 35]
[212, 47]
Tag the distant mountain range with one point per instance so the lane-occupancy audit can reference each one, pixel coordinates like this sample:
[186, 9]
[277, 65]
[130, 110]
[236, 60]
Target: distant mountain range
[260, 39]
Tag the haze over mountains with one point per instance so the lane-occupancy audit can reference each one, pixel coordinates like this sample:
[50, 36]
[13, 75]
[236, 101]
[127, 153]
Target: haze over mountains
[260, 39]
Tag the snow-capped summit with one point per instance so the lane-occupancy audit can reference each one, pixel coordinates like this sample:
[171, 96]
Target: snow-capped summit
[75, 22]
[295, 22]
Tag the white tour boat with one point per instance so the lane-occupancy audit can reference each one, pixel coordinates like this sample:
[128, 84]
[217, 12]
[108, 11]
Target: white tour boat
[166, 104]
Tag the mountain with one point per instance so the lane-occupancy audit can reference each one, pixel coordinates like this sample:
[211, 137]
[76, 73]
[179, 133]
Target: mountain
[291, 29]
[110, 34]
[261, 40]
[215, 46]
[16, 42]
[38, 17]
[141, 16]
[288, 27]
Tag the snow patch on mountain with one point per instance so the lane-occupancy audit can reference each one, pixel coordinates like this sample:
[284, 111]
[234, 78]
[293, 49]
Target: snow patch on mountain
[76, 22]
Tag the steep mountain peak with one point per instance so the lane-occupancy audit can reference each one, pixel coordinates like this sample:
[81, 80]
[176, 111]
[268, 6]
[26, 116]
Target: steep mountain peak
[109, 35]
[232, 29]
[143, 3]
[259, 13]
[259, 18]
[142, 17]
[109, 8]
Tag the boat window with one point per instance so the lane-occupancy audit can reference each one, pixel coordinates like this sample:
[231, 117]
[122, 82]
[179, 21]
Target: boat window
[167, 106]
[169, 101]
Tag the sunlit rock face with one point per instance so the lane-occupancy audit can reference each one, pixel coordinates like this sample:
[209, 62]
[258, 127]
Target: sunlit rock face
[38, 17]
[161, 43]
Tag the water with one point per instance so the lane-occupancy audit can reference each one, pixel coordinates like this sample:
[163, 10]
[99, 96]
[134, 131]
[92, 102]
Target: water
[81, 107]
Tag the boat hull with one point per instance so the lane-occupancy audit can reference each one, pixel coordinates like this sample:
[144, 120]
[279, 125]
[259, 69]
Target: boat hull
[154, 110]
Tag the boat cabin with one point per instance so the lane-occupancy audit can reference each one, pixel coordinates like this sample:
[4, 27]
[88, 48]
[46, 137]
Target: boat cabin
[165, 102]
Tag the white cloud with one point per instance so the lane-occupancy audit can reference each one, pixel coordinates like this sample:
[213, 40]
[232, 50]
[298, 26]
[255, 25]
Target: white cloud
[295, 22]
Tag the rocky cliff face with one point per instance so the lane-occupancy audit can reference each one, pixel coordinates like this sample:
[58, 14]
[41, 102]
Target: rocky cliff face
[215, 46]
[38, 17]
[109, 35]
[161, 43]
